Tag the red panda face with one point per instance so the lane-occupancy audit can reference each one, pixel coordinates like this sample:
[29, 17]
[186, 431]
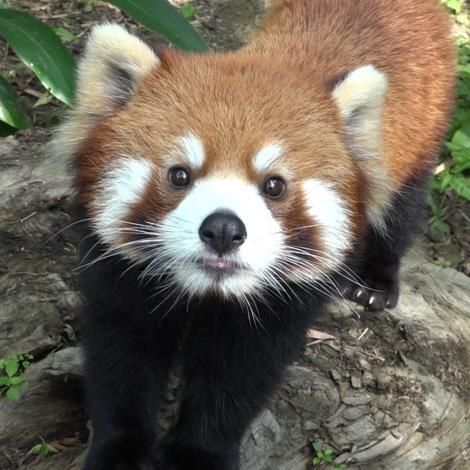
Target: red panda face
[222, 175]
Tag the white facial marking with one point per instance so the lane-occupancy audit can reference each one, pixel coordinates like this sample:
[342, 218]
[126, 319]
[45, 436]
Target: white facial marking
[183, 247]
[193, 150]
[267, 156]
[327, 208]
[121, 187]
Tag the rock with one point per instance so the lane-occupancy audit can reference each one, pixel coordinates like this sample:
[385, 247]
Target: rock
[383, 380]
[67, 361]
[356, 381]
[292, 462]
[310, 425]
[356, 399]
[368, 379]
[336, 376]
[353, 413]
[264, 434]
[361, 431]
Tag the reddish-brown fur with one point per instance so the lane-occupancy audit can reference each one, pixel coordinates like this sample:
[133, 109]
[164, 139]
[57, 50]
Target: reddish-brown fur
[408, 40]
[279, 89]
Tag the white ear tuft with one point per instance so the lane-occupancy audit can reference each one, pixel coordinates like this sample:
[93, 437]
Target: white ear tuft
[362, 90]
[113, 64]
[360, 97]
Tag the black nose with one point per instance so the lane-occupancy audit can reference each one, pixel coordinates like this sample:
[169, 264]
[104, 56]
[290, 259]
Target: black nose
[222, 231]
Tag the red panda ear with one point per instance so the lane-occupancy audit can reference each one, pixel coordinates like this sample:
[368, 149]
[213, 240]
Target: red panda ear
[113, 64]
[360, 97]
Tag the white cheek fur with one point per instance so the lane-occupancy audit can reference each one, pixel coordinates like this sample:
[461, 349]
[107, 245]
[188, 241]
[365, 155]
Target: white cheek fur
[121, 187]
[328, 209]
[260, 251]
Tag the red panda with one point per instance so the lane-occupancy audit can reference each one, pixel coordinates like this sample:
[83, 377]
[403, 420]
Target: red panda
[229, 194]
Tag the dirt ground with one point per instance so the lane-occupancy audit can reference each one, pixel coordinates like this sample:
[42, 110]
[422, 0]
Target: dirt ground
[390, 390]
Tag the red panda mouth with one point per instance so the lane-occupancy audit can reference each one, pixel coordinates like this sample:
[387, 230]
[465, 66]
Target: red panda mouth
[219, 265]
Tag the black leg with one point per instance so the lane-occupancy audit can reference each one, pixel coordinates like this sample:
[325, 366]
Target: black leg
[231, 368]
[379, 266]
[126, 374]
[129, 350]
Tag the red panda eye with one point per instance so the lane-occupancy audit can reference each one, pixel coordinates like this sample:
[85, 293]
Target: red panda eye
[274, 187]
[179, 177]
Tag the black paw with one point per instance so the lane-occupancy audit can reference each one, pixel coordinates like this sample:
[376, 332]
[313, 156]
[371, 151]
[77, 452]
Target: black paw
[118, 455]
[373, 295]
[176, 457]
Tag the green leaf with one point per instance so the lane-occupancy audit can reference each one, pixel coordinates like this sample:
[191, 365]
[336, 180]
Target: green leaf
[317, 447]
[37, 449]
[65, 34]
[462, 137]
[445, 180]
[6, 130]
[4, 381]
[188, 11]
[43, 449]
[453, 5]
[461, 167]
[163, 18]
[17, 380]
[461, 155]
[41, 50]
[11, 366]
[434, 206]
[316, 461]
[461, 185]
[13, 393]
[10, 110]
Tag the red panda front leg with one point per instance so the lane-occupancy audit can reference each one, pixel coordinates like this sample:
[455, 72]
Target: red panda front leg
[129, 351]
[378, 267]
[126, 376]
[231, 367]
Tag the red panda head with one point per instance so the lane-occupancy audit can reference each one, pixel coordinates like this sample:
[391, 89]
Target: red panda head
[228, 174]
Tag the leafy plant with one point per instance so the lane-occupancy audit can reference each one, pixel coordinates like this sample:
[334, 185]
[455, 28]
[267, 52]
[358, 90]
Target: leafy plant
[454, 5]
[455, 170]
[11, 380]
[43, 449]
[41, 49]
[325, 457]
